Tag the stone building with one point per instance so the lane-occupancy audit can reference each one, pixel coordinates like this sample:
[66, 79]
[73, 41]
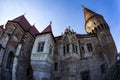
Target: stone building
[16, 44]
[73, 56]
[27, 54]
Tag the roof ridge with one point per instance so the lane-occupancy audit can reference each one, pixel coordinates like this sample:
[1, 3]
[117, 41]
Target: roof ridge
[21, 17]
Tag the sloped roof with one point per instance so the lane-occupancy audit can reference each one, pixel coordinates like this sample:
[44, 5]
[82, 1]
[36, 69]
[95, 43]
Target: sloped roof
[33, 30]
[23, 22]
[88, 13]
[48, 29]
[26, 25]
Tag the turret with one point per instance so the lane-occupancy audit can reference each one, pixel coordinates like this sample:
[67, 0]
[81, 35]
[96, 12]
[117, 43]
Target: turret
[96, 24]
[42, 54]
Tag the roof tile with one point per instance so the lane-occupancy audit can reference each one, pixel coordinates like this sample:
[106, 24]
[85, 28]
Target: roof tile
[23, 22]
[26, 25]
[33, 30]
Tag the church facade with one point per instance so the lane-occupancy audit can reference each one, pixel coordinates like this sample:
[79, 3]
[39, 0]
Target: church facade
[27, 54]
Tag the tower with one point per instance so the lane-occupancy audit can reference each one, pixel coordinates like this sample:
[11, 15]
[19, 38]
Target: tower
[96, 24]
[42, 55]
[16, 45]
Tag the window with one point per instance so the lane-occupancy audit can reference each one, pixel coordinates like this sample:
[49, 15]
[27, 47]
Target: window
[99, 28]
[89, 47]
[101, 25]
[50, 50]
[82, 51]
[103, 69]
[55, 66]
[0, 47]
[76, 49]
[85, 75]
[64, 50]
[73, 47]
[95, 29]
[40, 46]
[67, 48]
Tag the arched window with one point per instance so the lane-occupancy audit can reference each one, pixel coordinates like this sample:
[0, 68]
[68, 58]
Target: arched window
[74, 47]
[95, 29]
[41, 46]
[50, 49]
[94, 23]
[67, 48]
[10, 60]
[99, 28]
[82, 51]
[102, 26]
[92, 31]
[89, 47]
[64, 50]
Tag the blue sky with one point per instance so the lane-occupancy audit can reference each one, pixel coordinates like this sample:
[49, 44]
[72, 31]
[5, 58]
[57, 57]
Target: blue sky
[62, 13]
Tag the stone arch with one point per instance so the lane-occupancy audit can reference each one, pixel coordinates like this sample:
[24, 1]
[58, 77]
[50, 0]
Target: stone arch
[9, 66]
[29, 73]
[10, 60]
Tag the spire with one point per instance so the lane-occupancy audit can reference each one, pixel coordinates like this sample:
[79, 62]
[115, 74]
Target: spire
[88, 13]
[82, 6]
[24, 14]
[50, 22]
[47, 30]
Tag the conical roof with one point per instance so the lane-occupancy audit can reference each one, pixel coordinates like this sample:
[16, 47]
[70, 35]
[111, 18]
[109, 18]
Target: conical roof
[88, 13]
